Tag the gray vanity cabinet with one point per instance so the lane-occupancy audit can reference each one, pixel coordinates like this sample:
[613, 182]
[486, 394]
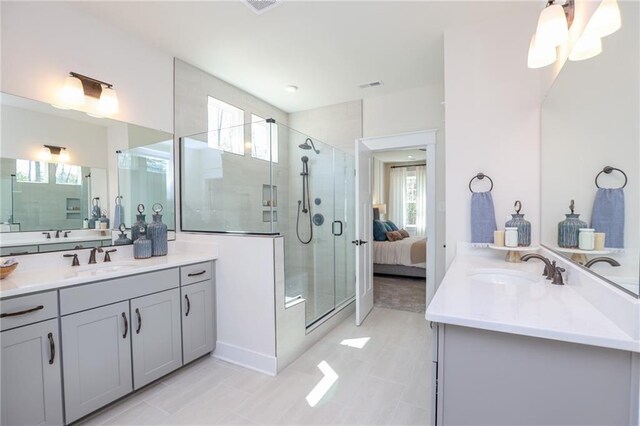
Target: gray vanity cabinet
[97, 358]
[492, 378]
[31, 385]
[155, 336]
[198, 328]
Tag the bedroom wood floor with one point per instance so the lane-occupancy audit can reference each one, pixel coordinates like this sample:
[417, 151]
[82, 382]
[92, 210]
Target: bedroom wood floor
[403, 293]
[384, 378]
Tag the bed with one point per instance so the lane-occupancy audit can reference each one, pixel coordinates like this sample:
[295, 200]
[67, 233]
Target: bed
[406, 257]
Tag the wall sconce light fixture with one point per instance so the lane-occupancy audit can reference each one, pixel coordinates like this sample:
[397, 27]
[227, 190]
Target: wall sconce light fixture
[552, 31]
[78, 87]
[48, 151]
[604, 21]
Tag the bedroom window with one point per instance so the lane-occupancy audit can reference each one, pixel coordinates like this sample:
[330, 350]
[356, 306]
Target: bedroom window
[407, 198]
[410, 205]
[226, 126]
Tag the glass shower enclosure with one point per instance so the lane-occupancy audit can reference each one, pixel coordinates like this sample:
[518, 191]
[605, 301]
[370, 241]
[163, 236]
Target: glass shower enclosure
[266, 178]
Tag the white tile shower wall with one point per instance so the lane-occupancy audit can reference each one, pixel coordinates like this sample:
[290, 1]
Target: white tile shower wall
[409, 111]
[43, 41]
[192, 88]
[493, 119]
[337, 125]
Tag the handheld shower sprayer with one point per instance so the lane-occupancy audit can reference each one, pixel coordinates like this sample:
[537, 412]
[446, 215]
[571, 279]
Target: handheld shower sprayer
[305, 203]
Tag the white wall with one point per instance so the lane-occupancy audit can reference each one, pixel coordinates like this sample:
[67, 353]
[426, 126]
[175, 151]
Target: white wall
[408, 111]
[43, 41]
[493, 119]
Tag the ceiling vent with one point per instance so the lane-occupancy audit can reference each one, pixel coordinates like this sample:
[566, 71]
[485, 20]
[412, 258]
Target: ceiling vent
[370, 84]
[261, 6]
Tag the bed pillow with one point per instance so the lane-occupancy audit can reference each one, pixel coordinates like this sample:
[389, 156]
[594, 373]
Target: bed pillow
[405, 233]
[394, 236]
[379, 231]
[391, 225]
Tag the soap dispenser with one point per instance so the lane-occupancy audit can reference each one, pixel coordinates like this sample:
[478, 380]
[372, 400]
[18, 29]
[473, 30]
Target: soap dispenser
[524, 226]
[569, 229]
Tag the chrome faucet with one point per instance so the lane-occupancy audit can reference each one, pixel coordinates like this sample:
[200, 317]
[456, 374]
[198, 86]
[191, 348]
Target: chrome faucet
[92, 256]
[608, 260]
[549, 268]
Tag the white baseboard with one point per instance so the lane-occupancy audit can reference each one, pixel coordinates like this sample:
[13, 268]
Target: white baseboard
[246, 358]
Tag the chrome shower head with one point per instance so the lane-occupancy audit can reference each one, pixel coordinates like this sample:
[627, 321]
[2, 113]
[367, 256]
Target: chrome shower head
[306, 145]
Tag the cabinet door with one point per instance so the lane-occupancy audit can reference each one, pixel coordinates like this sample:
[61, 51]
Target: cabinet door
[31, 385]
[197, 320]
[97, 358]
[155, 336]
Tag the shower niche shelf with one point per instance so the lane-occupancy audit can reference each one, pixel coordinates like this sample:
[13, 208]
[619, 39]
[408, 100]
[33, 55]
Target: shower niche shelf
[267, 199]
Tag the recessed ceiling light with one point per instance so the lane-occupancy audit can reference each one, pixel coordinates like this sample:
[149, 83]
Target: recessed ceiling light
[410, 157]
[291, 88]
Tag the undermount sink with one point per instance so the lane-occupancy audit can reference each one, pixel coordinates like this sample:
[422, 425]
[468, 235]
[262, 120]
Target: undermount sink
[502, 276]
[100, 269]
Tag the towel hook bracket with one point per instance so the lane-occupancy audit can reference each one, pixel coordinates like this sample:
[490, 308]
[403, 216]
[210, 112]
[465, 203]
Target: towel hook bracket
[480, 176]
[608, 170]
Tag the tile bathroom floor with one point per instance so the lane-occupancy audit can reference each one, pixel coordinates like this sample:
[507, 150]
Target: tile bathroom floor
[383, 377]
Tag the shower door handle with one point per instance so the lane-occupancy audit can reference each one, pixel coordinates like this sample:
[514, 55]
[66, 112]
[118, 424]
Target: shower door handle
[359, 242]
[333, 228]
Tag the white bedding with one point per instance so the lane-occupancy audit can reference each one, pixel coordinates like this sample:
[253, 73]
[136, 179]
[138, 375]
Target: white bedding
[395, 252]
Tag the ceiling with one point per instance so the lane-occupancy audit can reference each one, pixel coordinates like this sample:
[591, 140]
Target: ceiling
[401, 156]
[326, 48]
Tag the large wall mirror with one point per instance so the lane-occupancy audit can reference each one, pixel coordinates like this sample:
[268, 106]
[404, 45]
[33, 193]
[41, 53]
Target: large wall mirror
[591, 129]
[62, 174]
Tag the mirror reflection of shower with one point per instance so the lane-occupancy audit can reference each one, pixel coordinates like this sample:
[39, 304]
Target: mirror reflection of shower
[304, 205]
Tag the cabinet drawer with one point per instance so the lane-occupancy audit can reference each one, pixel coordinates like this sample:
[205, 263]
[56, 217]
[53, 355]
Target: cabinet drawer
[102, 293]
[195, 273]
[28, 309]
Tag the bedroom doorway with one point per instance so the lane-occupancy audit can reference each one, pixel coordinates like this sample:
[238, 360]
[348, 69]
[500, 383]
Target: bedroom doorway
[401, 196]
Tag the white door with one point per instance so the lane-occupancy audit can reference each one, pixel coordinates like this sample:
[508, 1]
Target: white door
[364, 231]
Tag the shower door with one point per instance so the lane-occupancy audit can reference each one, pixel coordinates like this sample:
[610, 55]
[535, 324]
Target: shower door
[344, 226]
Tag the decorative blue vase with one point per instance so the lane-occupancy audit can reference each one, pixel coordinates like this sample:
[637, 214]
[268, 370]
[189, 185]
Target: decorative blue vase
[135, 228]
[142, 246]
[569, 229]
[157, 232]
[118, 216]
[524, 226]
[95, 212]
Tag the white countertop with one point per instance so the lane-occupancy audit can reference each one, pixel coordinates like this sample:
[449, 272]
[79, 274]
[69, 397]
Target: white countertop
[538, 309]
[50, 271]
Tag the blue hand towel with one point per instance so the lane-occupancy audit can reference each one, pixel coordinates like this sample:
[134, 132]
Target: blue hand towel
[483, 217]
[608, 216]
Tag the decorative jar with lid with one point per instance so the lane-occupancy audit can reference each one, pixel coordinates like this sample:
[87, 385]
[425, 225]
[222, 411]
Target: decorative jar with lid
[157, 232]
[569, 229]
[523, 226]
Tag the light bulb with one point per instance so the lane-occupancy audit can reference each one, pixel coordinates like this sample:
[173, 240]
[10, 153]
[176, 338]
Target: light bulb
[605, 20]
[552, 26]
[586, 47]
[45, 154]
[540, 56]
[108, 103]
[72, 93]
[64, 156]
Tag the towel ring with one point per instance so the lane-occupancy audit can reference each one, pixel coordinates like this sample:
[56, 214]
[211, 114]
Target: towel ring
[607, 170]
[480, 176]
